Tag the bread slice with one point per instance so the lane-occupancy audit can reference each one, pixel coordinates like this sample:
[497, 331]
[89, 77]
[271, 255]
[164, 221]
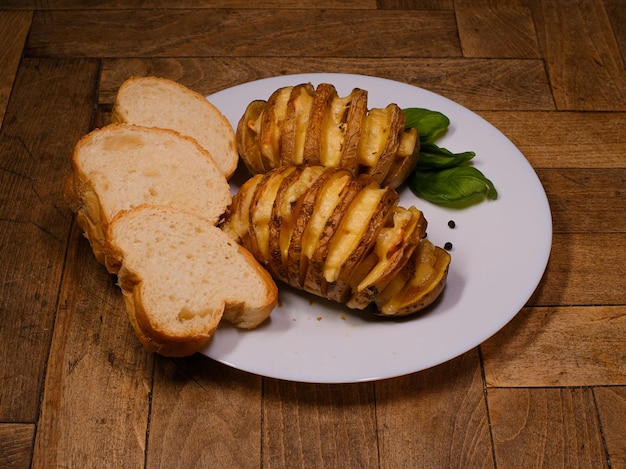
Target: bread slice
[159, 102]
[121, 166]
[179, 276]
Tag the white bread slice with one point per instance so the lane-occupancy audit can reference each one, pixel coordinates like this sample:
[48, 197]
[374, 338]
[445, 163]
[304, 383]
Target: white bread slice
[121, 166]
[159, 102]
[180, 274]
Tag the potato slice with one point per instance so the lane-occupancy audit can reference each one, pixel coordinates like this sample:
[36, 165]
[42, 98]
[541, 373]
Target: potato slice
[385, 129]
[394, 246]
[356, 236]
[324, 94]
[283, 219]
[237, 217]
[272, 126]
[302, 212]
[261, 206]
[405, 160]
[248, 131]
[332, 200]
[356, 115]
[296, 124]
[417, 285]
[332, 132]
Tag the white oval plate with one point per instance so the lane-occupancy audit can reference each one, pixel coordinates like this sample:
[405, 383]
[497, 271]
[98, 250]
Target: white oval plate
[500, 251]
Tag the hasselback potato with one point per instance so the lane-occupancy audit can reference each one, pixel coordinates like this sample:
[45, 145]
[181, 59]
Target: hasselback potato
[340, 236]
[314, 126]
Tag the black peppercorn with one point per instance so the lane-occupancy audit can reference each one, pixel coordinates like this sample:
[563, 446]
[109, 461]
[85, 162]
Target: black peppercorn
[447, 246]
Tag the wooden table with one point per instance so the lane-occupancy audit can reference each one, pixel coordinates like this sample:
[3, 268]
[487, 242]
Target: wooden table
[548, 390]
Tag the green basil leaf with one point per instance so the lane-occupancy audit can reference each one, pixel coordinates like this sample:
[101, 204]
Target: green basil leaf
[429, 124]
[432, 156]
[456, 186]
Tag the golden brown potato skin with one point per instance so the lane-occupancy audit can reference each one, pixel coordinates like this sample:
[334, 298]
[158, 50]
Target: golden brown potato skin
[315, 126]
[339, 236]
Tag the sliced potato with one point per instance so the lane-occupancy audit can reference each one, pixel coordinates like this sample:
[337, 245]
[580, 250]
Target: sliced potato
[314, 126]
[324, 95]
[405, 160]
[356, 114]
[237, 222]
[272, 120]
[394, 246]
[417, 285]
[356, 236]
[339, 236]
[332, 131]
[332, 200]
[296, 124]
[261, 206]
[282, 222]
[248, 131]
[381, 142]
[302, 212]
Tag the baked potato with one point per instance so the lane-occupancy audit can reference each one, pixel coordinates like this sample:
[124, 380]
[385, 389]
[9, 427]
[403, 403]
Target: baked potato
[340, 236]
[314, 126]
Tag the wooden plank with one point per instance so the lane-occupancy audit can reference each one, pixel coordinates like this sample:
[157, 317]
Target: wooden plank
[415, 4]
[582, 56]
[204, 414]
[479, 84]
[546, 428]
[501, 28]
[48, 111]
[559, 346]
[584, 269]
[241, 32]
[565, 139]
[435, 418]
[98, 381]
[181, 4]
[586, 200]
[16, 442]
[611, 402]
[617, 14]
[316, 425]
[13, 30]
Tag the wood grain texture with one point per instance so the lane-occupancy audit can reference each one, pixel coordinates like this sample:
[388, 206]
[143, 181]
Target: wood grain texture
[435, 418]
[611, 402]
[35, 144]
[581, 55]
[548, 390]
[317, 425]
[617, 15]
[13, 30]
[566, 139]
[16, 443]
[183, 4]
[415, 4]
[586, 200]
[580, 346]
[99, 378]
[479, 84]
[204, 414]
[501, 28]
[546, 428]
[238, 32]
[584, 269]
